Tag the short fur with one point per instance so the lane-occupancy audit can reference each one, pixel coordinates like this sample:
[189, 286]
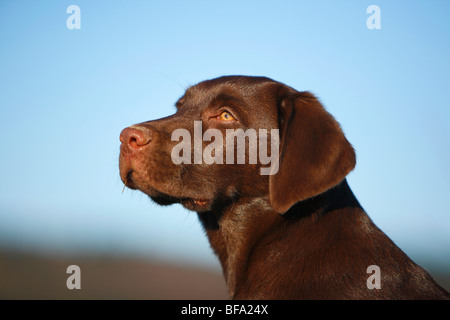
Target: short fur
[298, 234]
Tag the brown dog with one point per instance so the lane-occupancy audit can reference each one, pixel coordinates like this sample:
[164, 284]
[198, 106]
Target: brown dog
[298, 233]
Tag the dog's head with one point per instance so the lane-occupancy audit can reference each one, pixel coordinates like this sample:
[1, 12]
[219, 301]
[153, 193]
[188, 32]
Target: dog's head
[235, 137]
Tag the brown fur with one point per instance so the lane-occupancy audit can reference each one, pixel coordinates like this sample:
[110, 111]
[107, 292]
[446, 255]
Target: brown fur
[298, 234]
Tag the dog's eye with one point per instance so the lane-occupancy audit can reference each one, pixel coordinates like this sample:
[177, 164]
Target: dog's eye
[225, 116]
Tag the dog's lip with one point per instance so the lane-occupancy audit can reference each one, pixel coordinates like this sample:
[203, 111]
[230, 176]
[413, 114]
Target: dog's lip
[186, 200]
[196, 204]
[200, 202]
[127, 179]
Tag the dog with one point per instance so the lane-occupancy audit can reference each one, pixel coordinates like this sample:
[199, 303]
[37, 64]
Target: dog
[297, 232]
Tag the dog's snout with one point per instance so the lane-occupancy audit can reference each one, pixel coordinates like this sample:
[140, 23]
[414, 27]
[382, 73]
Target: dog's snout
[134, 138]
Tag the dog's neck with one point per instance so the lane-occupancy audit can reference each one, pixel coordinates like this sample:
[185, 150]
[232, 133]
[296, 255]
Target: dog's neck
[236, 230]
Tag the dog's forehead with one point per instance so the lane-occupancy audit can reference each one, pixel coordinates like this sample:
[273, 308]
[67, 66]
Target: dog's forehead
[239, 83]
[232, 86]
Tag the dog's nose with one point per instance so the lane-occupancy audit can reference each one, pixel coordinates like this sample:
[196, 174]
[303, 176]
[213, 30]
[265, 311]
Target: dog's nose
[134, 138]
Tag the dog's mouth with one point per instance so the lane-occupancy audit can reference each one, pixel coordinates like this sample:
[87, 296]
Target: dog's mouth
[161, 198]
[128, 181]
[200, 202]
[198, 205]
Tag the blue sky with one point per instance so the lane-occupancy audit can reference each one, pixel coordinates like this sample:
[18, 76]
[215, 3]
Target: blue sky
[65, 95]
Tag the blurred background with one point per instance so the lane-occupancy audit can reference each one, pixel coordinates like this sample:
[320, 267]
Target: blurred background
[65, 95]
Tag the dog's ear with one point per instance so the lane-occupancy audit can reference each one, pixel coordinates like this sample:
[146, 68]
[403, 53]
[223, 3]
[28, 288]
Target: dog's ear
[314, 153]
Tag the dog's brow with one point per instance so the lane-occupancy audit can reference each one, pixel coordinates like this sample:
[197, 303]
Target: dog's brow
[179, 103]
[224, 99]
[227, 99]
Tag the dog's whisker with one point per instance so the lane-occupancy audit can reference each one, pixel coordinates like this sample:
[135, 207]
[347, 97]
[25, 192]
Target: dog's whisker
[125, 184]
